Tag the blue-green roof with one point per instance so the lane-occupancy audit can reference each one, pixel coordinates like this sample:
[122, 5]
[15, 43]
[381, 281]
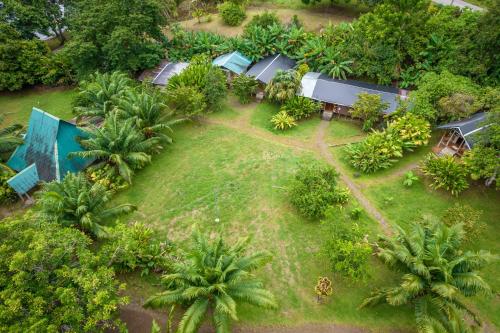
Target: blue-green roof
[47, 144]
[235, 62]
[24, 180]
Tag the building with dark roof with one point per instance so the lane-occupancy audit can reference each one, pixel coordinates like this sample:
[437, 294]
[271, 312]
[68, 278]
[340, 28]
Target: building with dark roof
[338, 96]
[460, 135]
[163, 72]
[43, 156]
[265, 69]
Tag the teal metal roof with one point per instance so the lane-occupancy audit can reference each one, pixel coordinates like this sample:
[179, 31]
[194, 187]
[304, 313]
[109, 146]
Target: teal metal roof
[47, 144]
[235, 62]
[24, 180]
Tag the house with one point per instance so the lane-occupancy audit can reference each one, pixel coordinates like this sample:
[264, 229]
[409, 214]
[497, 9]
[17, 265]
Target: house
[338, 96]
[233, 63]
[265, 69]
[163, 72]
[460, 136]
[44, 154]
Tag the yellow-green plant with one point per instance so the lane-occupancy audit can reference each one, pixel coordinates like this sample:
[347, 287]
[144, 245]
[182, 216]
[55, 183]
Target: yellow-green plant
[283, 121]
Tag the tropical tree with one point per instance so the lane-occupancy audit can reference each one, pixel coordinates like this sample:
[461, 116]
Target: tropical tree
[283, 86]
[437, 274]
[76, 202]
[446, 172]
[151, 115]
[370, 108]
[10, 138]
[333, 64]
[120, 144]
[100, 93]
[214, 279]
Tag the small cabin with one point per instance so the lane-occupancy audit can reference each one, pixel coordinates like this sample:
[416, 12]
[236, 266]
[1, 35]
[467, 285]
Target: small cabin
[43, 156]
[338, 96]
[264, 70]
[460, 136]
[163, 72]
[232, 64]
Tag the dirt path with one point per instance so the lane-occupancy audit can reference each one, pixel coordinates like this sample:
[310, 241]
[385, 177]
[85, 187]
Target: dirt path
[355, 190]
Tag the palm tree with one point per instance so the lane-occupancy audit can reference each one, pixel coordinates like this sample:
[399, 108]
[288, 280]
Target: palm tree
[79, 203]
[284, 85]
[120, 144]
[437, 274]
[216, 278]
[10, 138]
[100, 93]
[151, 115]
[332, 64]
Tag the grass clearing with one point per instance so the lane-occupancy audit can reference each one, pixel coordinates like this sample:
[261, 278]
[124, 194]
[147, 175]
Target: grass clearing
[16, 106]
[344, 130]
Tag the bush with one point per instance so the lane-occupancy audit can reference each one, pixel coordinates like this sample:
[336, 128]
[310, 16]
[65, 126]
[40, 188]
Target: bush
[7, 194]
[133, 247]
[263, 20]
[467, 216]
[315, 189]
[186, 101]
[379, 150]
[369, 108]
[283, 86]
[244, 87]
[410, 179]
[483, 163]
[283, 121]
[345, 247]
[106, 177]
[446, 172]
[232, 14]
[411, 130]
[300, 107]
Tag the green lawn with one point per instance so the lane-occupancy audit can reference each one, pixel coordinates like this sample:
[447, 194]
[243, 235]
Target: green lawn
[262, 114]
[344, 130]
[215, 172]
[16, 106]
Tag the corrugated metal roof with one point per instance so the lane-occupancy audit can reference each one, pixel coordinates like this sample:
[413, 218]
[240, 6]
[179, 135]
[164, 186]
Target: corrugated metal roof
[266, 69]
[235, 62]
[162, 73]
[468, 127]
[24, 180]
[344, 92]
[47, 144]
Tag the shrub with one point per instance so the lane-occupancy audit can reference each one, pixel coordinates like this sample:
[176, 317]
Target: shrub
[186, 101]
[369, 108]
[263, 20]
[482, 163]
[106, 177]
[283, 86]
[300, 107]
[133, 247]
[232, 14]
[411, 130]
[446, 172]
[378, 151]
[323, 287]
[467, 216]
[283, 121]
[7, 194]
[244, 87]
[315, 189]
[355, 213]
[410, 179]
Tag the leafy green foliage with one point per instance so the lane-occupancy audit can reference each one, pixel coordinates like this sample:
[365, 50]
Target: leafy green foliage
[323, 287]
[7, 194]
[283, 121]
[103, 38]
[283, 86]
[205, 78]
[214, 278]
[334, 64]
[467, 216]
[300, 107]
[10, 138]
[369, 108]
[244, 87]
[52, 282]
[410, 179]
[446, 172]
[483, 163]
[186, 101]
[120, 144]
[106, 177]
[436, 273]
[134, 247]
[231, 13]
[412, 131]
[346, 249]
[76, 202]
[315, 189]
[264, 20]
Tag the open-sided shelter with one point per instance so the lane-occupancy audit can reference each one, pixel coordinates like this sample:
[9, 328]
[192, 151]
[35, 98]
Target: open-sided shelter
[233, 63]
[338, 96]
[43, 156]
[163, 72]
[460, 136]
